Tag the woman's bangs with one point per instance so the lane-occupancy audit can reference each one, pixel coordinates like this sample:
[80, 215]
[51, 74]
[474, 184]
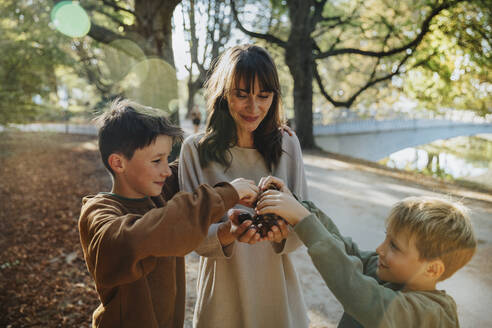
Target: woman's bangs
[246, 74]
[247, 69]
[266, 79]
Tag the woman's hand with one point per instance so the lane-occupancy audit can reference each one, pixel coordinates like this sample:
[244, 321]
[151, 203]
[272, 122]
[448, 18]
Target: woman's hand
[265, 182]
[247, 191]
[281, 204]
[232, 230]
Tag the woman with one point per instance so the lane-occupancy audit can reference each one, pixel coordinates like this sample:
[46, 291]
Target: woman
[242, 280]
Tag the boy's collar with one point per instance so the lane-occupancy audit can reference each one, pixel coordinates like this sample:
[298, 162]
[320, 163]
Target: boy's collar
[123, 197]
[393, 285]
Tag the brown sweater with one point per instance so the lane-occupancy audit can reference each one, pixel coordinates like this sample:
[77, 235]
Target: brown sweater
[134, 251]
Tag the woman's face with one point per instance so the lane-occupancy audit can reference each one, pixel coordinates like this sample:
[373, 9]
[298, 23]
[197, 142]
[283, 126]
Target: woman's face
[249, 109]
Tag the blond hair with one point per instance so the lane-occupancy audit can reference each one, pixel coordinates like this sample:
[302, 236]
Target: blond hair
[442, 230]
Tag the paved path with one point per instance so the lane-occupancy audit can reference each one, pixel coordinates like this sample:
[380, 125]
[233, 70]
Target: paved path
[358, 201]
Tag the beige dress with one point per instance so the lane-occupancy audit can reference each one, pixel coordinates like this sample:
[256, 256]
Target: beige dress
[242, 285]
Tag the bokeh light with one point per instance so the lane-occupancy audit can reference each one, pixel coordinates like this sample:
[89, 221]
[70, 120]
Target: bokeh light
[70, 19]
[152, 82]
[120, 56]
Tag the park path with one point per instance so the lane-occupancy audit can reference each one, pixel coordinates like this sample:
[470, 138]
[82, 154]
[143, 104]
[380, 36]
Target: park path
[359, 201]
[358, 198]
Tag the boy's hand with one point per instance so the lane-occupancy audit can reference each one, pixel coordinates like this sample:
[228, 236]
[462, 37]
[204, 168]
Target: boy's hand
[247, 191]
[287, 129]
[277, 234]
[265, 182]
[232, 230]
[281, 204]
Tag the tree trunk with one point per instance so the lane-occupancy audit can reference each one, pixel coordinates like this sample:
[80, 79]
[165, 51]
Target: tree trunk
[193, 88]
[154, 25]
[300, 63]
[152, 32]
[302, 73]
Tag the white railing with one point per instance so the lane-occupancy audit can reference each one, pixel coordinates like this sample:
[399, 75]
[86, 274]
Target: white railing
[353, 127]
[336, 116]
[54, 127]
[365, 126]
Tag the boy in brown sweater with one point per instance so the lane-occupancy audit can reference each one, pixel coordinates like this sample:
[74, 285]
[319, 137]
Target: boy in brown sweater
[134, 238]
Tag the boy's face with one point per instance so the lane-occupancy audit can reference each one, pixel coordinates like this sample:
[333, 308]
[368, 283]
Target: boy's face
[399, 259]
[145, 173]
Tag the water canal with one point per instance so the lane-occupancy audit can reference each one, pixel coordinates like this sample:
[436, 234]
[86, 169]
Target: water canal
[460, 158]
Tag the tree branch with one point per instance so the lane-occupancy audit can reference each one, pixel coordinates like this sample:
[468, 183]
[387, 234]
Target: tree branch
[267, 37]
[371, 82]
[210, 33]
[322, 88]
[114, 19]
[113, 5]
[318, 13]
[348, 103]
[93, 72]
[412, 44]
[106, 36]
[101, 10]
[324, 28]
[102, 34]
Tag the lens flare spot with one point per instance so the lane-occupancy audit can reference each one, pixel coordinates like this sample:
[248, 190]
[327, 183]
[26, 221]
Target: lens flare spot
[152, 82]
[120, 56]
[70, 19]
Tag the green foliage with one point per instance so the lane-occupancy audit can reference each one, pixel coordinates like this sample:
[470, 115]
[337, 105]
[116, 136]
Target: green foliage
[128, 52]
[48, 76]
[460, 74]
[30, 53]
[450, 67]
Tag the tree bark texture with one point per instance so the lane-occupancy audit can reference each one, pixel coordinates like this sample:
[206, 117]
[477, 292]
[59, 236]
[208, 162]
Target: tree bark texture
[300, 63]
[153, 24]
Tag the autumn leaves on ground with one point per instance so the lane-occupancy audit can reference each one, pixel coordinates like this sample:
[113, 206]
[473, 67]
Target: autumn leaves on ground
[43, 278]
[43, 177]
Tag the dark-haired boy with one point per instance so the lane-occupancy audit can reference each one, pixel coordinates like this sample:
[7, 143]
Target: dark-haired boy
[134, 237]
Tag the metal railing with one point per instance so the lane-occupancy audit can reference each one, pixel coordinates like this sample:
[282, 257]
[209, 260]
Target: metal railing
[366, 126]
[53, 127]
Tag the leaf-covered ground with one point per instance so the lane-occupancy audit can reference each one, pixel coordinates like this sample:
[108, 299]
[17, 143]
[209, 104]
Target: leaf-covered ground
[43, 278]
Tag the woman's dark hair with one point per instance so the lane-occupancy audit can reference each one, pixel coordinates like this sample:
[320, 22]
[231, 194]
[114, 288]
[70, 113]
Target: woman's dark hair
[128, 126]
[241, 63]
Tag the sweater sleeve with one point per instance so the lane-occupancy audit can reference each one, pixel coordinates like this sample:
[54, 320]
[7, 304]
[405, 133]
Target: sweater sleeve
[121, 248]
[299, 183]
[292, 158]
[369, 259]
[341, 265]
[190, 176]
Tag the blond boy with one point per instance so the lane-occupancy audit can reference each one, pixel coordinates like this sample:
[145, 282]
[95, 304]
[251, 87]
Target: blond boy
[427, 240]
[135, 237]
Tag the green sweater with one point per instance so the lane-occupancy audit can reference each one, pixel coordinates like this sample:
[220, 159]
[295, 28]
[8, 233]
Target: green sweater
[351, 276]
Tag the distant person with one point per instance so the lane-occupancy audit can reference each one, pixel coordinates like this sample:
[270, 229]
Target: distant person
[134, 238]
[196, 118]
[242, 280]
[427, 240]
